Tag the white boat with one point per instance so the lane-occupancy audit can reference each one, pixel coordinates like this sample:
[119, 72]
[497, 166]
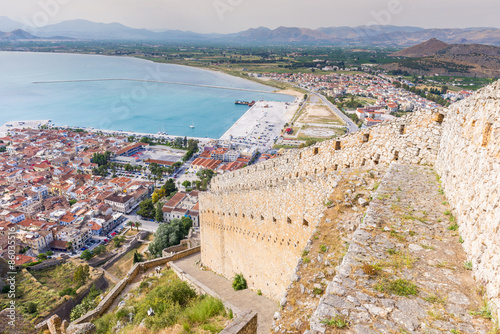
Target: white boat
[192, 125]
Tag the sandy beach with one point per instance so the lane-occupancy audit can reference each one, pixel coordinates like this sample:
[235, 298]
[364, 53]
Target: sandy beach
[21, 125]
[4, 129]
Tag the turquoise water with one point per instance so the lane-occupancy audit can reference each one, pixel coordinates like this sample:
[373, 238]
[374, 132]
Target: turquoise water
[121, 105]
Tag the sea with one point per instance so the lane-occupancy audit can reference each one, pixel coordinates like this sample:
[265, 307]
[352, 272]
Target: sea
[100, 92]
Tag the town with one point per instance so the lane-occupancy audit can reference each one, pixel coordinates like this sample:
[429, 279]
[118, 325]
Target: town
[67, 191]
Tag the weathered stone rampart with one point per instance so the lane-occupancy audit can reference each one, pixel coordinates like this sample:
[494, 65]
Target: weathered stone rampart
[267, 227]
[413, 139]
[251, 219]
[469, 165]
[257, 221]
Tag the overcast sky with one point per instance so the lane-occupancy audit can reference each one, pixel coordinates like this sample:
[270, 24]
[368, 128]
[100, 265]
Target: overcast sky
[225, 16]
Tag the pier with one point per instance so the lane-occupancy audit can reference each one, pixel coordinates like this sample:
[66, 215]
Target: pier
[153, 81]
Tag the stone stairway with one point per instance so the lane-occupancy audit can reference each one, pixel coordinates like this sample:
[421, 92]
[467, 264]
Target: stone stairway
[405, 270]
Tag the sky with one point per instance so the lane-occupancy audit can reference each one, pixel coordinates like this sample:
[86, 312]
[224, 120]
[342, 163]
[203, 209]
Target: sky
[226, 16]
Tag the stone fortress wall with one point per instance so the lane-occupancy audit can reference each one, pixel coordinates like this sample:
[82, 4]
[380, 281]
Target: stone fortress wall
[258, 220]
[469, 165]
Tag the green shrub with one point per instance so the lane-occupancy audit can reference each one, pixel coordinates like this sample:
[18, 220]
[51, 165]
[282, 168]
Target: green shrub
[259, 292]
[67, 292]
[453, 227]
[323, 248]
[400, 287]
[206, 308]
[31, 307]
[105, 323]
[336, 322]
[239, 282]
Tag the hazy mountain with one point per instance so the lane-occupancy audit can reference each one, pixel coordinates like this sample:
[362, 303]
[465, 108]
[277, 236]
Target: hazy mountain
[284, 35]
[82, 29]
[7, 24]
[369, 35]
[17, 35]
[363, 35]
[21, 35]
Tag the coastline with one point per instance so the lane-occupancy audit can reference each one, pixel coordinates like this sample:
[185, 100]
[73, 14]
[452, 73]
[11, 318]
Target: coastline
[37, 123]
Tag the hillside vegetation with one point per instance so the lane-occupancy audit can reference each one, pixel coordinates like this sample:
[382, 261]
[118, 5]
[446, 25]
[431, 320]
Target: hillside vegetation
[176, 308]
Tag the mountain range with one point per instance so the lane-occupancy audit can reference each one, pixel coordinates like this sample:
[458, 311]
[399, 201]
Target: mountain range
[363, 35]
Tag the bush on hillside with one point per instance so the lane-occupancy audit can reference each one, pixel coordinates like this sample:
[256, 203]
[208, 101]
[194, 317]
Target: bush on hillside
[239, 282]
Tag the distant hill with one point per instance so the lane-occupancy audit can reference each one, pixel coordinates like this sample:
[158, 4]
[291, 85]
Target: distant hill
[428, 48]
[437, 57]
[17, 35]
[21, 35]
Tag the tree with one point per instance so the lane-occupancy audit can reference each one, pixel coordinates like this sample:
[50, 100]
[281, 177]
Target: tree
[82, 273]
[159, 212]
[170, 187]
[130, 224]
[118, 240]
[42, 256]
[86, 255]
[137, 225]
[146, 208]
[169, 235]
[186, 184]
[137, 257]
[69, 245]
[99, 250]
[155, 197]
[50, 253]
[73, 201]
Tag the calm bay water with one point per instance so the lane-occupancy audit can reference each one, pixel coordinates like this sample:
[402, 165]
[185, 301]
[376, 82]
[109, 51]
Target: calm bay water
[121, 105]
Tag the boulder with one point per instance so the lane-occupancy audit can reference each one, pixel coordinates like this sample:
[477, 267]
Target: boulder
[84, 328]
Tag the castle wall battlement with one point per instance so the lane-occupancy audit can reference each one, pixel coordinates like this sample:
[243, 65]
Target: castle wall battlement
[412, 139]
[257, 221]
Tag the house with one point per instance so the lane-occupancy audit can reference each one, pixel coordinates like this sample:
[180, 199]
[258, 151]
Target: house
[131, 149]
[95, 228]
[200, 163]
[21, 259]
[68, 219]
[122, 203]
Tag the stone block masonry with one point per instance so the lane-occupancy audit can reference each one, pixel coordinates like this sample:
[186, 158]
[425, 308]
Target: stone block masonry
[251, 219]
[469, 165]
[404, 270]
[266, 227]
[257, 221]
[412, 139]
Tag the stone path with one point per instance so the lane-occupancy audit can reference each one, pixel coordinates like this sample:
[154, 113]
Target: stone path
[246, 300]
[405, 270]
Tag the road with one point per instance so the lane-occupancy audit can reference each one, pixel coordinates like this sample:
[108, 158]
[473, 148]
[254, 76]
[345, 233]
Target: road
[351, 126]
[146, 224]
